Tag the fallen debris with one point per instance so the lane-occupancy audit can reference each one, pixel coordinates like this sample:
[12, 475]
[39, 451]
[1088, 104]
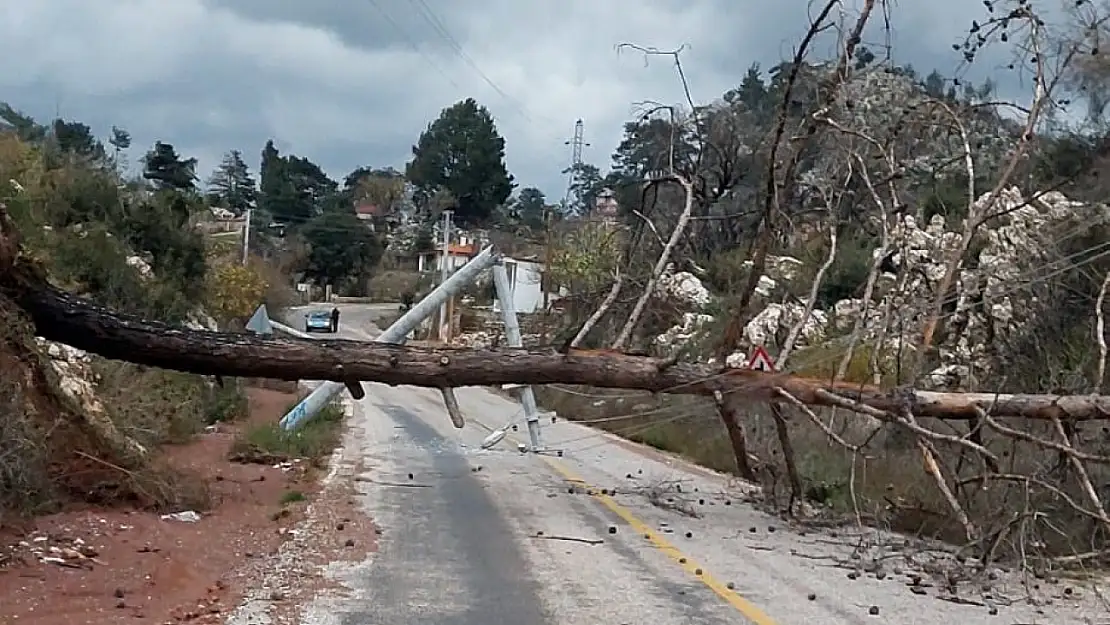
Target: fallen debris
[117, 565]
[588, 541]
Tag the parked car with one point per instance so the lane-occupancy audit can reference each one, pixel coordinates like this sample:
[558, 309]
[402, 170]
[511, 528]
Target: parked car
[318, 320]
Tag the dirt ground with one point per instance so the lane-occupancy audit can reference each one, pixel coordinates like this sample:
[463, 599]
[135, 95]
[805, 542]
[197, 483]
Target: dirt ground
[116, 565]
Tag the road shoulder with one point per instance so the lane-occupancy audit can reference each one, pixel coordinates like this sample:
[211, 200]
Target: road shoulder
[332, 531]
[96, 565]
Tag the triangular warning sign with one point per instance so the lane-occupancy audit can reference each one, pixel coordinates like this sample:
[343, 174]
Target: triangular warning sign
[260, 321]
[761, 361]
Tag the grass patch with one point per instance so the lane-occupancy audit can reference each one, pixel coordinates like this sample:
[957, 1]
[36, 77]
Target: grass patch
[25, 485]
[314, 440]
[227, 402]
[157, 406]
[680, 424]
[292, 496]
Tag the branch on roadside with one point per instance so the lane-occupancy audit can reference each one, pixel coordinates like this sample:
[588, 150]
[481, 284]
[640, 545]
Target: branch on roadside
[62, 317]
[606, 304]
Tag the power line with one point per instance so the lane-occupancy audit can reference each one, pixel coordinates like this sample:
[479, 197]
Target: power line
[415, 46]
[430, 17]
[437, 25]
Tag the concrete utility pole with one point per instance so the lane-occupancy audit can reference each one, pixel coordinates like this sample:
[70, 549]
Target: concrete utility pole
[444, 272]
[247, 237]
[395, 334]
[513, 338]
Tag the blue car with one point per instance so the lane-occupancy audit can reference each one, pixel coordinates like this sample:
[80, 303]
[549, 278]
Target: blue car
[319, 320]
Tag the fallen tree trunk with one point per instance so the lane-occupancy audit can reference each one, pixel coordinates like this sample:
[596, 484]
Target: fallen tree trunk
[62, 317]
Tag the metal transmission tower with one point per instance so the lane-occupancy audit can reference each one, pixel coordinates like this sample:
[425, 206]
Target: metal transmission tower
[576, 144]
[576, 156]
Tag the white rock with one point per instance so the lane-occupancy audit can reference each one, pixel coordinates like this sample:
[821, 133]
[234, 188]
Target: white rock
[683, 287]
[776, 318]
[736, 360]
[681, 333]
[140, 265]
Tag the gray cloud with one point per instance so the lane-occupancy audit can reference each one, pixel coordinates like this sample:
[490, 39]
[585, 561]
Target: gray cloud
[354, 82]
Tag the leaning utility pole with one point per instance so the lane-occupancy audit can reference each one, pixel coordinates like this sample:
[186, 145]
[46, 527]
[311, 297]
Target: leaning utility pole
[444, 272]
[395, 334]
[513, 338]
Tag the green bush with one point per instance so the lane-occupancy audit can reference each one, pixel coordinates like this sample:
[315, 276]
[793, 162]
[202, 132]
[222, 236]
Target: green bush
[227, 402]
[847, 275]
[315, 439]
[153, 406]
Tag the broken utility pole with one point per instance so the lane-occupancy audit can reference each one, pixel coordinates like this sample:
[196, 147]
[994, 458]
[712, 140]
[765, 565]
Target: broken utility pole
[60, 316]
[63, 317]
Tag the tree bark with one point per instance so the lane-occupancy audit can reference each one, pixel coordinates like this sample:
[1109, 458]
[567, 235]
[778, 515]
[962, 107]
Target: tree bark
[734, 427]
[62, 317]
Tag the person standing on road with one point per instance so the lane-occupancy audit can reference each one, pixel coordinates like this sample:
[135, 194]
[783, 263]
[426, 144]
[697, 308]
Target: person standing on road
[334, 319]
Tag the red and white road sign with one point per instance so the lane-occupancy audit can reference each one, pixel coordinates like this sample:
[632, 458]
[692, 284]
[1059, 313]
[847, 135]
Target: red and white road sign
[761, 361]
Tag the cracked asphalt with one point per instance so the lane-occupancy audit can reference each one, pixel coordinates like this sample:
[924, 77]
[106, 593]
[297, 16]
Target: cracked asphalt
[477, 537]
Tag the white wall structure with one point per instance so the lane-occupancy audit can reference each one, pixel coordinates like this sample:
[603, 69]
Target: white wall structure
[433, 261]
[458, 254]
[525, 282]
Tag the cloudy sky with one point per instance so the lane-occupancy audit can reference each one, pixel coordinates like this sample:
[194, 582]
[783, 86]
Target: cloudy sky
[354, 82]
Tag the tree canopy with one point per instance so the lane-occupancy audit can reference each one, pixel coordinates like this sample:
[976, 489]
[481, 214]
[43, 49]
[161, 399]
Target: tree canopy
[167, 170]
[231, 185]
[463, 153]
[341, 248]
[292, 189]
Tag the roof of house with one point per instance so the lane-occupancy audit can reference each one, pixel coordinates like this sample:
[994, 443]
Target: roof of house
[454, 249]
[368, 208]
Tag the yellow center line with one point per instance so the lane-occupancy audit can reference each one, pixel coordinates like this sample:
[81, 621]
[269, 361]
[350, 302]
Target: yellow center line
[751, 611]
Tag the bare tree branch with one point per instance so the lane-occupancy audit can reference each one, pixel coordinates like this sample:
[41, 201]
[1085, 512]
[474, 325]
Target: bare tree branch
[1100, 332]
[606, 304]
[772, 194]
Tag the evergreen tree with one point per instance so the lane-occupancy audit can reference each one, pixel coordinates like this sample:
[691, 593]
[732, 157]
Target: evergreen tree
[231, 184]
[167, 170]
[463, 153]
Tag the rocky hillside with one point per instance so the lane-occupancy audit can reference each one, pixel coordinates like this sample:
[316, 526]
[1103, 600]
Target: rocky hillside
[989, 314]
[908, 231]
[76, 426]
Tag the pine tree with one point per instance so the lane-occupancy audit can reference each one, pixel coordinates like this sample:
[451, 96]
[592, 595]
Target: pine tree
[231, 184]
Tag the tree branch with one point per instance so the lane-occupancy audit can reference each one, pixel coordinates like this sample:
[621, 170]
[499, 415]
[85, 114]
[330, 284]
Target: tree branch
[60, 316]
[774, 191]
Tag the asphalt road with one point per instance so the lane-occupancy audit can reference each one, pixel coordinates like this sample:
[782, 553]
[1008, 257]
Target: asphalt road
[475, 537]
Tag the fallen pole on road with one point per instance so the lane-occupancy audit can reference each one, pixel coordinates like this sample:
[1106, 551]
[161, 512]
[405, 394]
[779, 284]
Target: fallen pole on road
[395, 334]
[63, 317]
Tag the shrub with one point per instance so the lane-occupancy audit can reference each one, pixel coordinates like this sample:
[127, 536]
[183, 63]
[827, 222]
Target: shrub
[24, 455]
[314, 440]
[233, 292]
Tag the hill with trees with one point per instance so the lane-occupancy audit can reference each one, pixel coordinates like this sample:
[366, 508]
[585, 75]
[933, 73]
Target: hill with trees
[133, 240]
[866, 222]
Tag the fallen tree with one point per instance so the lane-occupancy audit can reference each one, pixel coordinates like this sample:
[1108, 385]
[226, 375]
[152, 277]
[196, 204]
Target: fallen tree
[63, 317]
[60, 316]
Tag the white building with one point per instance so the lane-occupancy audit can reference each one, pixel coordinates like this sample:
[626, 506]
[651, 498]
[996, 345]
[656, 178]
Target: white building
[458, 254]
[526, 283]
